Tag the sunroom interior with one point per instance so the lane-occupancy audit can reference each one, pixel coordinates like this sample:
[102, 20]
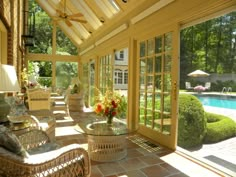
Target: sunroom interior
[126, 45]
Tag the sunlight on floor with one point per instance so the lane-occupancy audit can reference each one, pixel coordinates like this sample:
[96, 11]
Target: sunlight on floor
[65, 131]
[186, 166]
[66, 119]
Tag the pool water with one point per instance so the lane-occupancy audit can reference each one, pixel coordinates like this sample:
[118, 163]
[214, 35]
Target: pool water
[218, 101]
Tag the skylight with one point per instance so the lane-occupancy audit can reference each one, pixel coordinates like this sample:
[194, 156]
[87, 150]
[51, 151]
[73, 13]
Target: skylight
[113, 3]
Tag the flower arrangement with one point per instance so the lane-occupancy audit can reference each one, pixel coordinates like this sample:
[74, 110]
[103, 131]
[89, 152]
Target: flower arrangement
[111, 104]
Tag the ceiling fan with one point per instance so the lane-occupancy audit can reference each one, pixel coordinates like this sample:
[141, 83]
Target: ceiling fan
[62, 15]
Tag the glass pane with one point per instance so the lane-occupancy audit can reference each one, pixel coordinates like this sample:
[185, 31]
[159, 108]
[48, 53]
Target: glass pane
[42, 42]
[64, 46]
[142, 49]
[157, 121]
[149, 118]
[149, 102]
[141, 115]
[65, 72]
[150, 83]
[157, 83]
[142, 66]
[158, 103]
[142, 83]
[168, 41]
[166, 126]
[167, 64]
[167, 83]
[150, 47]
[158, 64]
[91, 79]
[150, 65]
[167, 114]
[40, 72]
[167, 104]
[106, 73]
[158, 44]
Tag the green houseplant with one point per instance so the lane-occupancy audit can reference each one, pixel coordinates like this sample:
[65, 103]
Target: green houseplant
[76, 96]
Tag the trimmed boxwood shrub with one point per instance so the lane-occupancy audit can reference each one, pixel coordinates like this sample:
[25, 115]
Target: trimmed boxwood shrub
[192, 122]
[219, 128]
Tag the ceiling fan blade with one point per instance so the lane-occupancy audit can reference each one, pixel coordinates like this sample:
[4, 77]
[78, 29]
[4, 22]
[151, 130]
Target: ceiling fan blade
[68, 23]
[76, 15]
[60, 13]
[57, 19]
[78, 20]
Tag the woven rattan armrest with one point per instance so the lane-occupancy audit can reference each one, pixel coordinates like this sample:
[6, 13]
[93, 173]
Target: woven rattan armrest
[33, 138]
[68, 161]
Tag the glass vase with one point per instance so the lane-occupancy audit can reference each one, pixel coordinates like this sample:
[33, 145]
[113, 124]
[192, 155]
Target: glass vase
[109, 120]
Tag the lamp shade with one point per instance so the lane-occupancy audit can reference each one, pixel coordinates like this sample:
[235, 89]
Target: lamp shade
[8, 79]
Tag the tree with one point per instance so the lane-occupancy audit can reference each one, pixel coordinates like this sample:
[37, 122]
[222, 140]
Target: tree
[210, 46]
[43, 34]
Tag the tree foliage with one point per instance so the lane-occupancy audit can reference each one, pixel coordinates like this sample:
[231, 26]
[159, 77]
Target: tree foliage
[43, 34]
[210, 46]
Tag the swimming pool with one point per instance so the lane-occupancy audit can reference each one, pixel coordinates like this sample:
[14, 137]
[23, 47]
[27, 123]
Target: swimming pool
[220, 101]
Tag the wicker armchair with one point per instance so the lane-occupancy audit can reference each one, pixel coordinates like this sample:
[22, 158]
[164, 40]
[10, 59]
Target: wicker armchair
[67, 161]
[39, 98]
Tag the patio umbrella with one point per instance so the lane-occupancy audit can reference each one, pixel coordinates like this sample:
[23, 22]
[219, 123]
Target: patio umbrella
[198, 73]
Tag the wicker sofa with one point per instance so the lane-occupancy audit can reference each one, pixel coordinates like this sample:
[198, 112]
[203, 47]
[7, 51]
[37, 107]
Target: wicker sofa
[46, 159]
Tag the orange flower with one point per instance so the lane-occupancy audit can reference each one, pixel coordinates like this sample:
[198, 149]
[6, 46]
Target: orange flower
[98, 108]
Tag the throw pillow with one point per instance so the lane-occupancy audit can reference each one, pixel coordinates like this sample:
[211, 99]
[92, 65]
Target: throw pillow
[9, 141]
[17, 106]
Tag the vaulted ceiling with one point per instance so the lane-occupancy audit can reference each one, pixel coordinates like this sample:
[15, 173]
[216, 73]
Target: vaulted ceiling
[81, 19]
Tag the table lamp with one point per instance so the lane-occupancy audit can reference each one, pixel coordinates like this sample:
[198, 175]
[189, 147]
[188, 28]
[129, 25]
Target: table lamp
[8, 83]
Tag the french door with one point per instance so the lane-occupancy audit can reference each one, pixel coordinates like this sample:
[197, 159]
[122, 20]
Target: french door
[157, 102]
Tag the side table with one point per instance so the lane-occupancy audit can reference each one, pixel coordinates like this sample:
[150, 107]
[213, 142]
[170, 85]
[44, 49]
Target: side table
[106, 143]
[21, 124]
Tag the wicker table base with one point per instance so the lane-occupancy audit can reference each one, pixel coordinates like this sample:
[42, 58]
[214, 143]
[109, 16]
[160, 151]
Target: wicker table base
[107, 148]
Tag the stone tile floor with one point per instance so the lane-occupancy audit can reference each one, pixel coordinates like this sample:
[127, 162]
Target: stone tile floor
[144, 157]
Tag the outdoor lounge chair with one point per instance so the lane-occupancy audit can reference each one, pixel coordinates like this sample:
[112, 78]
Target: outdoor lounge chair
[207, 85]
[45, 159]
[188, 86]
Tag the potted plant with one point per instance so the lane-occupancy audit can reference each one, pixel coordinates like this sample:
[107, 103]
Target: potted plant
[76, 96]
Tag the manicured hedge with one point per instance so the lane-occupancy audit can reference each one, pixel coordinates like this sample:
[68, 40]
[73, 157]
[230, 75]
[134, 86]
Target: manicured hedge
[219, 128]
[192, 122]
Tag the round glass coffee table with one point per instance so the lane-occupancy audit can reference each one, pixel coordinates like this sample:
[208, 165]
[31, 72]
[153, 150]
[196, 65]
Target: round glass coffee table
[105, 142]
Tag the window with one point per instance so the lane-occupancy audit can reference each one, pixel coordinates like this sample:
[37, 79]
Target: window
[106, 73]
[126, 77]
[118, 77]
[119, 55]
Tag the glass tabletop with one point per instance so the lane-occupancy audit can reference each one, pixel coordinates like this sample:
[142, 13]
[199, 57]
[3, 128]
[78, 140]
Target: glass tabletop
[97, 126]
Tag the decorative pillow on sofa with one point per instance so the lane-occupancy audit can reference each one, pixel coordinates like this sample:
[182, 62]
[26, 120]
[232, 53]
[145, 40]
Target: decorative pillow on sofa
[9, 141]
[17, 106]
